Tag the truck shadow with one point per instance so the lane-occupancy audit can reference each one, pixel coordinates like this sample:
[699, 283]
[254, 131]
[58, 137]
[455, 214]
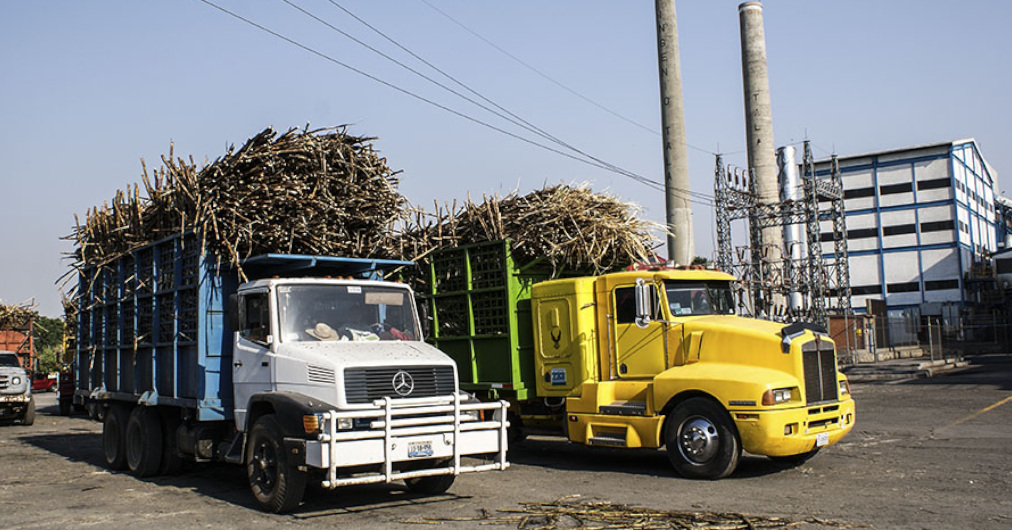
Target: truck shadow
[557, 453]
[227, 483]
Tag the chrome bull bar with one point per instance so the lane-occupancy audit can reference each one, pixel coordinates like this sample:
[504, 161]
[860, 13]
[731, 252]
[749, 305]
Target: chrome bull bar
[402, 430]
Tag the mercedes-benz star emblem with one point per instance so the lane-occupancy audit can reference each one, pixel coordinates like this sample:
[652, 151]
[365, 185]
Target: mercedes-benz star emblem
[403, 383]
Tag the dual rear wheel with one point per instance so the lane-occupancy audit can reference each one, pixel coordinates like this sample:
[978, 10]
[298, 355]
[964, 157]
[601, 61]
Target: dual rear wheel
[138, 439]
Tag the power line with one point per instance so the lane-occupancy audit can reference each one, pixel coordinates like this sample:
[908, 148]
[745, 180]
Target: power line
[552, 79]
[512, 117]
[601, 165]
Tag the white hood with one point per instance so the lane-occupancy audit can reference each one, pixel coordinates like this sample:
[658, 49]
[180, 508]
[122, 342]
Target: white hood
[339, 355]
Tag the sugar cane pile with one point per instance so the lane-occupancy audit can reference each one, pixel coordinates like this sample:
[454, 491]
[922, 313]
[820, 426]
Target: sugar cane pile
[564, 227]
[16, 316]
[305, 192]
[564, 513]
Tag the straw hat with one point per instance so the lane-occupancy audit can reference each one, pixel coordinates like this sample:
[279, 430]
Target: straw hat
[323, 332]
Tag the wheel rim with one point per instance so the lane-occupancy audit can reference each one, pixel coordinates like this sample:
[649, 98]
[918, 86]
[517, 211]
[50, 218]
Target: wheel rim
[698, 440]
[264, 464]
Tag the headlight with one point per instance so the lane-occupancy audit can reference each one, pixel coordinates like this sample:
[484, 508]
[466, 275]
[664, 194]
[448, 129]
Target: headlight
[345, 424]
[15, 381]
[776, 396]
[844, 388]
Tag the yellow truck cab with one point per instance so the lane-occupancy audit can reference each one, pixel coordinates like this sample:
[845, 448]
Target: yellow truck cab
[648, 358]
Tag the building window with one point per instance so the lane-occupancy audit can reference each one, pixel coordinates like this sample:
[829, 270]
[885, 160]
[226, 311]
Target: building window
[908, 287]
[936, 226]
[899, 229]
[859, 193]
[865, 289]
[861, 233]
[933, 184]
[938, 285]
[896, 188]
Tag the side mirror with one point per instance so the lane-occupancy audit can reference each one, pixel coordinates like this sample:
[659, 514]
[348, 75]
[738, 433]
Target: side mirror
[422, 304]
[644, 301]
[233, 312]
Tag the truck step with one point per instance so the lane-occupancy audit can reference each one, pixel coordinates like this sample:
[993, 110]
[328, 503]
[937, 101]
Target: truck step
[625, 408]
[609, 440]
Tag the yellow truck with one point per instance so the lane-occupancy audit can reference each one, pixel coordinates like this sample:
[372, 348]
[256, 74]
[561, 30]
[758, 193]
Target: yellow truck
[641, 359]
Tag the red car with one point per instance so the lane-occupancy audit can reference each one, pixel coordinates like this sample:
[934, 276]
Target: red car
[44, 383]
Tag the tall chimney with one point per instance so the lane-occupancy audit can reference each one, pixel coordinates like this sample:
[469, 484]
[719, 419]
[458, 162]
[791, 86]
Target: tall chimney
[759, 133]
[676, 164]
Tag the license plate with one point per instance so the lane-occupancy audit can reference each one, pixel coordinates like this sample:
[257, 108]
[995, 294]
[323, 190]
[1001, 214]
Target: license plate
[419, 449]
[821, 439]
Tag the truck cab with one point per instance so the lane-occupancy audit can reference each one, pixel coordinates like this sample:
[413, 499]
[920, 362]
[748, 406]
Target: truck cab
[659, 358]
[16, 400]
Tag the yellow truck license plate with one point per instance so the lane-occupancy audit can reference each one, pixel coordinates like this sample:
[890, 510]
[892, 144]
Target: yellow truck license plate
[419, 449]
[821, 439]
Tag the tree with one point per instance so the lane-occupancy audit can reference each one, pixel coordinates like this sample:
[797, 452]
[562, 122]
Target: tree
[48, 334]
[700, 260]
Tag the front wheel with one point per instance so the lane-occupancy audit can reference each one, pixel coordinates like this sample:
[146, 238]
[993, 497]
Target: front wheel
[701, 440]
[276, 483]
[29, 417]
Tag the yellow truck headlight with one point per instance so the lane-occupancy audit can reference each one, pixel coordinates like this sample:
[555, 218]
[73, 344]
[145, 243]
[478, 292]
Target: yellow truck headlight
[776, 396]
[844, 388]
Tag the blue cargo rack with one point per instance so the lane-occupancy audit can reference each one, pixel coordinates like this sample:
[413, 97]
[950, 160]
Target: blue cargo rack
[152, 326]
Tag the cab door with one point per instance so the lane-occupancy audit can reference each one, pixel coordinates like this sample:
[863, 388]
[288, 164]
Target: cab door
[639, 351]
[251, 356]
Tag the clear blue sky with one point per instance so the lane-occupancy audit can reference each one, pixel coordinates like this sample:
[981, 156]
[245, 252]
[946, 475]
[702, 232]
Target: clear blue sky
[90, 88]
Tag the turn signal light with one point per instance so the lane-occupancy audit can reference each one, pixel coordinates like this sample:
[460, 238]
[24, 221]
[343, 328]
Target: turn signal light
[311, 422]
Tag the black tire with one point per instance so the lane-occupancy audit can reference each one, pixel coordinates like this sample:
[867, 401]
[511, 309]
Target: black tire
[702, 441]
[144, 442]
[172, 458]
[114, 437]
[65, 405]
[29, 417]
[277, 484]
[795, 460]
[430, 485]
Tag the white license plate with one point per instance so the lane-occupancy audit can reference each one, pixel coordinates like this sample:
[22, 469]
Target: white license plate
[821, 439]
[419, 449]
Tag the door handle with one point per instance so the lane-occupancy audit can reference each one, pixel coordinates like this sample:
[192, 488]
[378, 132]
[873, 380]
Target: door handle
[237, 364]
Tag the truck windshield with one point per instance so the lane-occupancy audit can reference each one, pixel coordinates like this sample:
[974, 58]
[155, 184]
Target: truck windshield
[9, 360]
[699, 298]
[345, 313]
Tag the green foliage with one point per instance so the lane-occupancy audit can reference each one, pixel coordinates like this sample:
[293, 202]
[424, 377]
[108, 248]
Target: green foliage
[48, 333]
[700, 260]
[48, 359]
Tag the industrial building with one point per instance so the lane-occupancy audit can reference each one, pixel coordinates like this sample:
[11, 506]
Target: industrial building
[922, 223]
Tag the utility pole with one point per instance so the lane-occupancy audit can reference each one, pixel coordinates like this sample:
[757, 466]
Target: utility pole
[676, 164]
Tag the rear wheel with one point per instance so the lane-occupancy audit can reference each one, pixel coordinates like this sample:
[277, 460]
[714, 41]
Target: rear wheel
[276, 483]
[144, 442]
[172, 459]
[114, 437]
[701, 440]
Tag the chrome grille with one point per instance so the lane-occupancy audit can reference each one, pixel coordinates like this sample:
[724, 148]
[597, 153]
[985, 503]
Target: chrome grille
[363, 385]
[819, 359]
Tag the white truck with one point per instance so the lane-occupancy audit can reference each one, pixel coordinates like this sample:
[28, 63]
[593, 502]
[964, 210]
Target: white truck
[314, 369]
[16, 400]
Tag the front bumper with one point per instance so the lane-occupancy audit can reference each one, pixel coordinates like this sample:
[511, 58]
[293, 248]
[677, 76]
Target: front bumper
[810, 427]
[407, 431]
[14, 406]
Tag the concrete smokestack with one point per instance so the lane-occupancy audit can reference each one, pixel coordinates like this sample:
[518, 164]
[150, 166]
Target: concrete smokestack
[676, 163]
[759, 135]
[758, 116]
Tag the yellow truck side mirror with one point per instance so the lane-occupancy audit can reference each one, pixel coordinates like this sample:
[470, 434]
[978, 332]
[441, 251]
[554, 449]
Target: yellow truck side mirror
[643, 302]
